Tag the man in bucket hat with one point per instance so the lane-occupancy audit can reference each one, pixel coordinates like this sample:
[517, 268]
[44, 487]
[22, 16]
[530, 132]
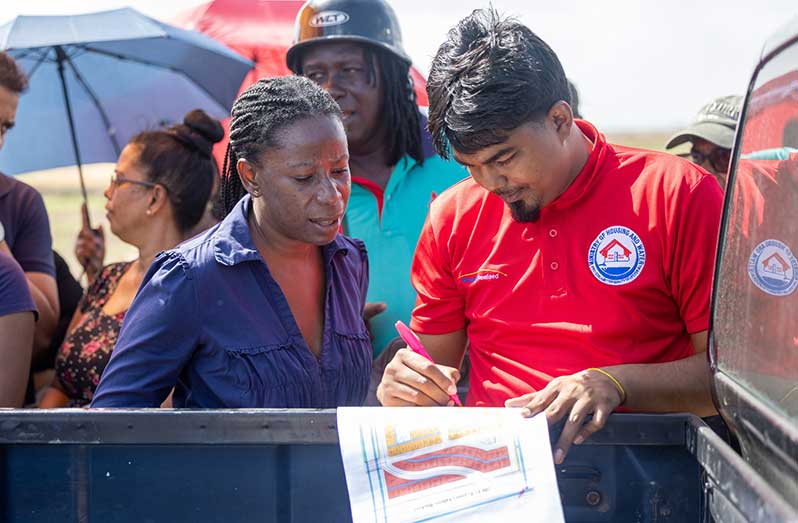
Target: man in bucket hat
[712, 135]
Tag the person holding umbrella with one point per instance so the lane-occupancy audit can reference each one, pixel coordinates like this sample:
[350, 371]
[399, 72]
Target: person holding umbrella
[264, 309]
[24, 225]
[158, 193]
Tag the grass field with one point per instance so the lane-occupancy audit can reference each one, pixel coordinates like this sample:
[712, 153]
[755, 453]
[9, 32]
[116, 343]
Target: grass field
[61, 192]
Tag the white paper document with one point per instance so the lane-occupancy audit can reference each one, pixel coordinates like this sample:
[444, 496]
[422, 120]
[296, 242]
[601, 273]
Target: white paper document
[413, 464]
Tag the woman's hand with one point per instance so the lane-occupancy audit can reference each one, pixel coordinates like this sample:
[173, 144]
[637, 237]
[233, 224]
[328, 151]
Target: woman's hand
[90, 247]
[578, 396]
[411, 379]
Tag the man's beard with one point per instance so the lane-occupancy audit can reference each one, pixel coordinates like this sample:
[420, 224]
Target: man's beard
[524, 213]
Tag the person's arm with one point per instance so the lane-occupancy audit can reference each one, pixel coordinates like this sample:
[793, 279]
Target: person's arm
[17, 327]
[16, 340]
[675, 386]
[167, 403]
[439, 320]
[54, 397]
[33, 250]
[44, 291]
[410, 379]
[159, 334]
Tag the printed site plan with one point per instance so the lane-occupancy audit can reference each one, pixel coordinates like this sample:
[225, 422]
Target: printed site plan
[442, 464]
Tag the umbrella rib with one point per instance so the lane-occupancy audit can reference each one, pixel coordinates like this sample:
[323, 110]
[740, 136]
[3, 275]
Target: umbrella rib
[120, 56]
[97, 104]
[39, 62]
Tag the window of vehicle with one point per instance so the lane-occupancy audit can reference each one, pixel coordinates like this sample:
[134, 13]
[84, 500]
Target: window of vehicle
[755, 321]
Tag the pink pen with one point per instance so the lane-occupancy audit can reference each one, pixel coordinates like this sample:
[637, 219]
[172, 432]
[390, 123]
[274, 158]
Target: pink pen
[415, 345]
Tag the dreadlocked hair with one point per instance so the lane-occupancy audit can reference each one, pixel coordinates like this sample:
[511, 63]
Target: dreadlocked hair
[400, 108]
[258, 116]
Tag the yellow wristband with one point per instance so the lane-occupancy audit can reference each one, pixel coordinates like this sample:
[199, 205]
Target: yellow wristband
[615, 381]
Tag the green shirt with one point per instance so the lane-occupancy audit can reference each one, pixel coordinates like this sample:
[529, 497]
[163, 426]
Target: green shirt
[389, 223]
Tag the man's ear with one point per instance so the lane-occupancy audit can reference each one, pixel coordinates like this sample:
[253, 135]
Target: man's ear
[562, 118]
[247, 175]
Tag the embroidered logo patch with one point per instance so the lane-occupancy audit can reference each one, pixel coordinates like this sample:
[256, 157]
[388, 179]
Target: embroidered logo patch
[481, 275]
[773, 268]
[616, 256]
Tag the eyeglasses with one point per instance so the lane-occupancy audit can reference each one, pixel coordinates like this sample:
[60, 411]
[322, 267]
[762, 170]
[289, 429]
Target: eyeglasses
[117, 180]
[718, 158]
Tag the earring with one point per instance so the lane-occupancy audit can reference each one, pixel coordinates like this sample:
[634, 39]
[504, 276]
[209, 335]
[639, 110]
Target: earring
[149, 212]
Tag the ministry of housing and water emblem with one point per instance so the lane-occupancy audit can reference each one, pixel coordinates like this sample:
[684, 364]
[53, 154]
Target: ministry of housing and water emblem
[616, 256]
[773, 268]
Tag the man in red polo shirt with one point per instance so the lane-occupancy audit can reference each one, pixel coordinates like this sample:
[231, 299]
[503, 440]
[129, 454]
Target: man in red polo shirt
[579, 272]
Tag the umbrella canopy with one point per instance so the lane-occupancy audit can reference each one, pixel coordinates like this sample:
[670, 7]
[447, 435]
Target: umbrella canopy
[98, 79]
[261, 30]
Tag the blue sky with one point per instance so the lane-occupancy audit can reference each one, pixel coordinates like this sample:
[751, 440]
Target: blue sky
[639, 65]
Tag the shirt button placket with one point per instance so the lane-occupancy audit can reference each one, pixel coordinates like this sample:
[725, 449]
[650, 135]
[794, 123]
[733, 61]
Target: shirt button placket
[554, 279]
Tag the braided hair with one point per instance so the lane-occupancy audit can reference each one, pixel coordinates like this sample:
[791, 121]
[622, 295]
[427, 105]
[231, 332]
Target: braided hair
[258, 116]
[400, 108]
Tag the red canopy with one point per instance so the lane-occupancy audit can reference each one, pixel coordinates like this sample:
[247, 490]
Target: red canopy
[772, 119]
[261, 30]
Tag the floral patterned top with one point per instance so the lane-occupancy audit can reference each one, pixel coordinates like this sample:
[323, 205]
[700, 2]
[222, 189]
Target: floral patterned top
[87, 347]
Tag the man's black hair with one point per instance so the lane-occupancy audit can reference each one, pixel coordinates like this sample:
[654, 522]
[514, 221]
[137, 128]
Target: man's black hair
[574, 101]
[258, 116]
[491, 75]
[400, 107]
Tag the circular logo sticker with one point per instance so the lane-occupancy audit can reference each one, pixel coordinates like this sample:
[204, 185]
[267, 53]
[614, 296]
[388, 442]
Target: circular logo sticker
[773, 268]
[616, 256]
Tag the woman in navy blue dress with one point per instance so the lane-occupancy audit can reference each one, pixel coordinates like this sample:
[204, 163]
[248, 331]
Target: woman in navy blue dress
[265, 309]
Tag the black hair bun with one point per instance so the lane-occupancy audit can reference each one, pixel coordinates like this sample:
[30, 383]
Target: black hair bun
[209, 128]
[198, 132]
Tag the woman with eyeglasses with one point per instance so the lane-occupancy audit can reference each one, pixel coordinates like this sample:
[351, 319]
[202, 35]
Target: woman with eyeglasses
[265, 309]
[157, 195]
